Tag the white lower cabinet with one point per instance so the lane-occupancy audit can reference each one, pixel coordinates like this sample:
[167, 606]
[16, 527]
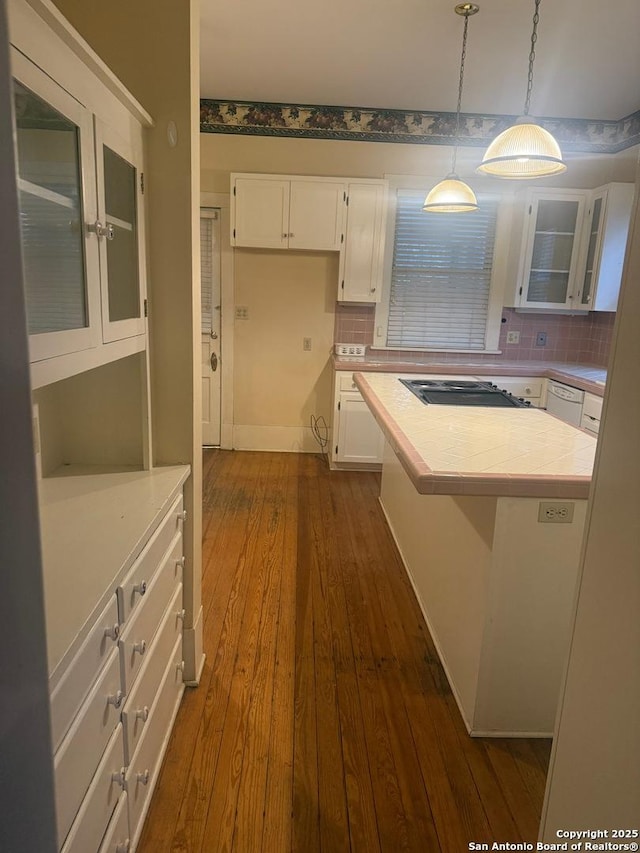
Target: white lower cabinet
[357, 438]
[531, 388]
[113, 706]
[591, 413]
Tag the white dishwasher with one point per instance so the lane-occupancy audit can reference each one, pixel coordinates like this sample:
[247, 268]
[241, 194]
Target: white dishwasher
[565, 402]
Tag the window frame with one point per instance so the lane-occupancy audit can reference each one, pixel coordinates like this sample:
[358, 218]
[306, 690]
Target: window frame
[499, 267]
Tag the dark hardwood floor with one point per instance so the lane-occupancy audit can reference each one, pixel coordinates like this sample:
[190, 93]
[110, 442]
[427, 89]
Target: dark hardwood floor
[323, 720]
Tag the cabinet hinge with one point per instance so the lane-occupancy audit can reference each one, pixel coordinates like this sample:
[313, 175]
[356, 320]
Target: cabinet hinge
[336, 449]
[234, 233]
[234, 190]
[142, 182]
[347, 200]
[146, 308]
[342, 285]
[344, 196]
[342, 238]
[530, 209]
[338, 406]
[520, 291]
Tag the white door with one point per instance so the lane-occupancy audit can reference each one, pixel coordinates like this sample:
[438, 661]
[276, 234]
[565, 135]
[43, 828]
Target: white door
[210, 277]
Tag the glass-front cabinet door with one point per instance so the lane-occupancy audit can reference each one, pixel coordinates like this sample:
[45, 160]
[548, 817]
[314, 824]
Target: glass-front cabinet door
[119, 163]
[56, 186]
[588, 282]
[552, 251]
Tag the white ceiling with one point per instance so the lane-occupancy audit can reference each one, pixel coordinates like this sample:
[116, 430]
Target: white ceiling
[405, 54]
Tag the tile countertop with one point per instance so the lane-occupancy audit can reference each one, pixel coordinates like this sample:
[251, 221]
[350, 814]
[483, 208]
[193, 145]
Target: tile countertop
[458, 450]
[588, 377]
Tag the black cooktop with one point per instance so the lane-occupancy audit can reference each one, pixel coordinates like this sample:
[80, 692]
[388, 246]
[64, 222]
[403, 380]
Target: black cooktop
[462, 392]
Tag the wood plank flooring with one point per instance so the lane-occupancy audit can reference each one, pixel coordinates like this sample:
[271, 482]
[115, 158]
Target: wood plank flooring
[323, 721]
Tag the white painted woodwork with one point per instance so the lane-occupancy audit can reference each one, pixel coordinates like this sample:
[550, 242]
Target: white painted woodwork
[359, 439]
[591, 413]
[132, 592]
[140, 629]
[94, 526]
[212, 337]
[77, 758]
[146, 686]
[606, 243]
[362, 257]
[99, 804]
[286, 212]
[148, 755]
[117, 835]
[496, 588]
[74, 685]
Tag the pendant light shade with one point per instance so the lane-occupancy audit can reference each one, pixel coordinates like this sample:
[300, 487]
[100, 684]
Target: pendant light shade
[452, 195]
[526, 150]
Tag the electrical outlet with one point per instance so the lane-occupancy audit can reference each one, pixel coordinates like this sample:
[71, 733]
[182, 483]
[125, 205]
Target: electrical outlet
[555, 512]
[306, 344]
[357, 350]
[242, 312]
[513, 337]
[541, 339]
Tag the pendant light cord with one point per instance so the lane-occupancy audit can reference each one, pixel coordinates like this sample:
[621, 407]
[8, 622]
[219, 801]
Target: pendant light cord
[463, 56]
[532, 56]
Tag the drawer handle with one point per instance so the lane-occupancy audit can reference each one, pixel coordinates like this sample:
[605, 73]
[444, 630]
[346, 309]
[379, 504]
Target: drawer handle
[142, 714]
[140, 588]
[181, 614]
[182, 516]
[115, 699]
[119, 777]
[143, 778]
[181, 562]
[181, 666]
[527, 390]
[113, 632]
[124, 846]
[140, 647]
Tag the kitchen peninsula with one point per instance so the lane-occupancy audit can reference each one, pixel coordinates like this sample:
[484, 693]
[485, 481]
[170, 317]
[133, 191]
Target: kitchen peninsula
[468, 494]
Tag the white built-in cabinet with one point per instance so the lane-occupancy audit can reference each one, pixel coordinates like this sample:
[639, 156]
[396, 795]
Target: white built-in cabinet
[111, 524]
[319, 214]
[572, 248]
[533, 389]
[357, 439]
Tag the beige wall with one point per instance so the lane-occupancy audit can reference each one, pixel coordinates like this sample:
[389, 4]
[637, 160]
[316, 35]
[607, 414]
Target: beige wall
[292, 295]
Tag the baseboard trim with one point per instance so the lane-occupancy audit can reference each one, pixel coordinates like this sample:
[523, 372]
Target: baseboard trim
[275, 438]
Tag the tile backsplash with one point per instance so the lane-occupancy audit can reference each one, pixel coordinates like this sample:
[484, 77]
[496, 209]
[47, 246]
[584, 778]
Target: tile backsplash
[584, 338]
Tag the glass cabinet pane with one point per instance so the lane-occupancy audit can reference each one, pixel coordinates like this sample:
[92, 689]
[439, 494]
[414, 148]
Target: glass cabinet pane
[553, 244]
[51, 219]
[557, 216]
[548, 287]
[122, 245]
[587, 284]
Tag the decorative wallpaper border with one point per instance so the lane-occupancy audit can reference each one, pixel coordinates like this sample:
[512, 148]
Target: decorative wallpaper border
[415, 127]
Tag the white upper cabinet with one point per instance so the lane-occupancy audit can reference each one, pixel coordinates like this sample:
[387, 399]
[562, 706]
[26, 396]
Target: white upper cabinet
[550, 256]
[607, 229]
[79, 161]
[281, 212]
[361, 261]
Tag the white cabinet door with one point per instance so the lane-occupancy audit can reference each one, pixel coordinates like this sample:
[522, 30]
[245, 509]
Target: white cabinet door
[316, 214]
[362, 256]
[360, 439]
[607, 228]
[260, 213]
[551, 251]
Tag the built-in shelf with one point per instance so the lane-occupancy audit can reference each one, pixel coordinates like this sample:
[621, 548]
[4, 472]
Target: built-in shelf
[46, 194]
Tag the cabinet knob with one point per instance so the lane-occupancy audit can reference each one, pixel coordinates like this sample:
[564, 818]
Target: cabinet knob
[119, 777]
[181, 562]
[123, 846]
[181, 614]
[140, 588]
[284, 236]
[373, 290]
[291, 234]
[143, 778]
[142, 714]
[112, 632]
[115, 699]
[183, 515]
[181, 666]
[101, 230]
[140, 647]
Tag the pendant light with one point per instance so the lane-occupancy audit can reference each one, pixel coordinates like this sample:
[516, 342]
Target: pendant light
[452, 195]
[525, 150]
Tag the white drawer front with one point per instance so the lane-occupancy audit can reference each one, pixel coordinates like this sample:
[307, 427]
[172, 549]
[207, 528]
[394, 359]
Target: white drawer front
[519, 386]
[592, 406]
[81, 750]
[72, 688]
[138, 633]
[135, 714]
[590, 423]
[100, 802]
[346, 383]
[131, 591]
[143, 771]
[116, 838]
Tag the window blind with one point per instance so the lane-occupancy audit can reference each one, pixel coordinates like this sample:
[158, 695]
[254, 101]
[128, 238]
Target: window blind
[206, 272]
[441, 276]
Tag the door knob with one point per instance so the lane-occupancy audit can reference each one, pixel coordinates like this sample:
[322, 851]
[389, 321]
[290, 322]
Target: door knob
[214, 361]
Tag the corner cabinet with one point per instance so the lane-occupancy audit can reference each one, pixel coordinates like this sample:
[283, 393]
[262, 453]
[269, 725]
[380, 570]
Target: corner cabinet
[358, 441]
[344, 215]
[573, 247]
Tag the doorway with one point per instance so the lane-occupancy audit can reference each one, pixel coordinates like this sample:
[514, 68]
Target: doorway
[210, 274]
